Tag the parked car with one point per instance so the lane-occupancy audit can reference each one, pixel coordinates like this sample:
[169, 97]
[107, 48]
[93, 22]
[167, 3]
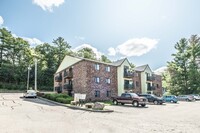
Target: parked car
[185, 98]
[152, 98]
[170, 98]
[196, 97]
[30, 93]
[130, 98]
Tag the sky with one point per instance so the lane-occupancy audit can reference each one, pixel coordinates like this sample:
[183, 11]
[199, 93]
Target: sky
[144, 31]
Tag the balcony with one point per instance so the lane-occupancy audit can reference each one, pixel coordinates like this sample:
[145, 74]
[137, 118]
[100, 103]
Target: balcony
[151, 88]
[68, 74]
[128, 86]
[58, 78]
[68, 87]
[58, 89]
[128, 74]
[150, 78]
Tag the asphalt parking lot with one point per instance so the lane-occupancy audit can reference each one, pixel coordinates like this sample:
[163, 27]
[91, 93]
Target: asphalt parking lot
[37, 116]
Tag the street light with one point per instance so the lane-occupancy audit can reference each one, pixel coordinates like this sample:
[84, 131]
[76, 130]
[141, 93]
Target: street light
[35, 59]
[29, 68]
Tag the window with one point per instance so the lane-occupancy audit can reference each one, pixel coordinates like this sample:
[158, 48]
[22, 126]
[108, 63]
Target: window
[108, 94]
[107, 69]
[123, 95]
[137, 84]
[97, 93]
[97, 79]
[97, 67]
[128, 96]
[157, 85]
[108, 81]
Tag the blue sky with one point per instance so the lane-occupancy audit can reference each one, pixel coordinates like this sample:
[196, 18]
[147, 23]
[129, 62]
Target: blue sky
[144, 31]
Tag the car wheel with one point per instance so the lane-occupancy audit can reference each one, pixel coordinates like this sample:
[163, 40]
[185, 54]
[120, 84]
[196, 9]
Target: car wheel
[187, 100]
[135, 103]
[115, 102]
[143, 105]
[122, 103]
[171, 101]
[155, 102]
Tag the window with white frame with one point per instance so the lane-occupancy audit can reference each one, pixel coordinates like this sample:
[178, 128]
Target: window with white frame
[108, 81]
[97, 79]
[108, 69]
[97, 67]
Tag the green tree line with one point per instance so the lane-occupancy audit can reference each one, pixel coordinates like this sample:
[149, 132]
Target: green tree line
[16, 55]
[183, 72]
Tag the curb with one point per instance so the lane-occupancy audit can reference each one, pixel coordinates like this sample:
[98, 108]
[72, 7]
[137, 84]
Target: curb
[75, 107]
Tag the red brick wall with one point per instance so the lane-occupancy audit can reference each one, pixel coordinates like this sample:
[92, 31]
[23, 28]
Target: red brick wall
[137, 78]
[158, 90]
[83, 80]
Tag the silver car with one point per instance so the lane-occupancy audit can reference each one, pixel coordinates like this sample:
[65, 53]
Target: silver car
[185, 98]
[196, 97]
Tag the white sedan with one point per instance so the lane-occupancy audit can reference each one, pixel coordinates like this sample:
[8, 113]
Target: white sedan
[30, 93]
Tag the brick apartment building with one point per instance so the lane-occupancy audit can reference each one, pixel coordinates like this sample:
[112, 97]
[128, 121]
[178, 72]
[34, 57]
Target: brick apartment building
[100, 81]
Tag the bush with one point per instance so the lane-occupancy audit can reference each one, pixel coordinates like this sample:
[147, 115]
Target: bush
[53, 97]
[61, 98]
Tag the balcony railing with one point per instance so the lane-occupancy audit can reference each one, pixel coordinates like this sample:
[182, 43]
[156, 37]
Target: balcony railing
[150, 78]
[128, 74]
[128, 86]
[58, 89]
[68, 74]
[151, 88]
[58, 78]
[68, 87]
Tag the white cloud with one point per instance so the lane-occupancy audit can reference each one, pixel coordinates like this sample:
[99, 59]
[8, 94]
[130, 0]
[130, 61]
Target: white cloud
[1, 20]
[160, 70]
[32, 41]
[112, 51]
[48, 4]
[135, 47]
[98, 54]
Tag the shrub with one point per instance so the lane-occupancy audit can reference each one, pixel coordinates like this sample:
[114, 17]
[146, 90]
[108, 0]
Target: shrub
[52, 97]
[61, 98]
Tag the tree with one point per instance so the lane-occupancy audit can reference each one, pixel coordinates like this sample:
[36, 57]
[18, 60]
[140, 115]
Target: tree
[105, 59]
[87, 53]
[5, 37]
[184, 69]
[62, 49]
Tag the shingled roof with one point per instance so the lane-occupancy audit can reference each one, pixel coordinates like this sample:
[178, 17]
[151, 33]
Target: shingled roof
[142, 68]
[118, 62]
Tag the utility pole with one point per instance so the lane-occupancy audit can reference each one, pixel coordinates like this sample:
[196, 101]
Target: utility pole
[28, 77]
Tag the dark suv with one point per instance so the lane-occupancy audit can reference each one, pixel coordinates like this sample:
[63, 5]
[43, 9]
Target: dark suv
[152, 98]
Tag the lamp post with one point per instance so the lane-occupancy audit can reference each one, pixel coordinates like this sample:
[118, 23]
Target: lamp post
[29, 68]
[35, 74]
[35, 60]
